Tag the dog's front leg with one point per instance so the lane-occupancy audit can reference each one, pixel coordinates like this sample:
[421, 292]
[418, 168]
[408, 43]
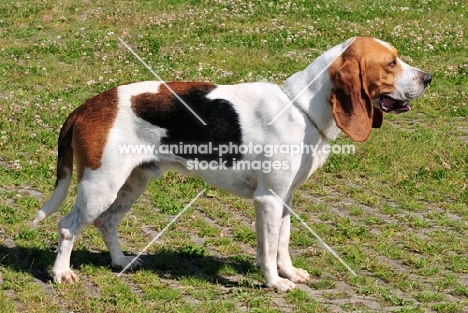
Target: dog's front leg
[285, 267]
[269, 211]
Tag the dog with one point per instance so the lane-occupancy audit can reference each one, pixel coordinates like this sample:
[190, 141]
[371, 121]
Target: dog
[346, 89]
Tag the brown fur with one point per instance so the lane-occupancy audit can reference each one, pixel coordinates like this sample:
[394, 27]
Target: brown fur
[92, 123]
[162, 103]
[362, 73]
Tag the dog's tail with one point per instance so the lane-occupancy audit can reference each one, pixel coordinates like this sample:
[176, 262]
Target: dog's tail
[64, 170]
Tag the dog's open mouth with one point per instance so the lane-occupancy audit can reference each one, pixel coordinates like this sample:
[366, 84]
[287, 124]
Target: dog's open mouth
[388, 104]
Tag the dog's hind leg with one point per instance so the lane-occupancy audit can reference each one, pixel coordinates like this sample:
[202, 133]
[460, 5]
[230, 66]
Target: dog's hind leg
[97, 190]
[108, 222]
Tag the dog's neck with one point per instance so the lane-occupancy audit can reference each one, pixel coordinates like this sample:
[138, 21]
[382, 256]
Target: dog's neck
[313, 99]
[293, 99]
[311, 89]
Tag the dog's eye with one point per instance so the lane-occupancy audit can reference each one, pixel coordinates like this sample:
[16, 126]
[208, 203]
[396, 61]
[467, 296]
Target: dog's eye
[393, 63]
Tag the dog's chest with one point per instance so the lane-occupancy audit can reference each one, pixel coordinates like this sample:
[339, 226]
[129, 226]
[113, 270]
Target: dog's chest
[310, 163]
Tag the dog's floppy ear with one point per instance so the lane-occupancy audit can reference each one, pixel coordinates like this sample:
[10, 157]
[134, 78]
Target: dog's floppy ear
[352, 108]
[377, 118]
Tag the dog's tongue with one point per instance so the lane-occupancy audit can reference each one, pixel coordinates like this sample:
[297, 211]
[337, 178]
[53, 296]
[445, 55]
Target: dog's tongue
[388, 102]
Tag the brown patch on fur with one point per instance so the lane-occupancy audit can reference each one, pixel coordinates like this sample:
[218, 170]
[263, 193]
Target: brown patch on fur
[162, 102]
[65, 151]
[93, 121]
[362, 73]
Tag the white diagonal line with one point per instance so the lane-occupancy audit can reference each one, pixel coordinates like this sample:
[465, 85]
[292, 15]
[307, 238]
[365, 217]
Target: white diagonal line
[312, 81]
[315, 235]
[161, 232]
[163, 82]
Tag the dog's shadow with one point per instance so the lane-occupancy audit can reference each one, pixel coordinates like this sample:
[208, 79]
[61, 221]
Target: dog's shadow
[167, 263]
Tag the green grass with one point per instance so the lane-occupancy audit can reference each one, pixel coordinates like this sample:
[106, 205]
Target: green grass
[396, 211]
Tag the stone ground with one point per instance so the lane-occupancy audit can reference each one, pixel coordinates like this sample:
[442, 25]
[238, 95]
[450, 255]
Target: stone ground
[335, 298]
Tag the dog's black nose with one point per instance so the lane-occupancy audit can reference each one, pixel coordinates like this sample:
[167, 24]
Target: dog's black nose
[427, 79]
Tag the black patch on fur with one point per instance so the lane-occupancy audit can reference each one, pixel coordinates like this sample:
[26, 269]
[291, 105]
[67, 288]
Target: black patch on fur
[164, 110]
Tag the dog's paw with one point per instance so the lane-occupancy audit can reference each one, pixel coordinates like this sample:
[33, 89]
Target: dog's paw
[64, 277]
[126, 260]
[283, 285]
[296, 275]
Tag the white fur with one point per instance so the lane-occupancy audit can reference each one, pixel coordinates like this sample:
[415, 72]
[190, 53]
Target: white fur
[56, 200]
[407, 85]
[384, 43]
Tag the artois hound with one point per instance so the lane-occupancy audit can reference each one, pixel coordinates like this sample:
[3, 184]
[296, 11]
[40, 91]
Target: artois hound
[347, 88]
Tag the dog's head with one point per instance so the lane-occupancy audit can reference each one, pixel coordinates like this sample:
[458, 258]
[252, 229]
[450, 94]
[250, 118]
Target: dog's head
[368, 79]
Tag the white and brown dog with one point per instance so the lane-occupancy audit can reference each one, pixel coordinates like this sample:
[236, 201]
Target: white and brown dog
[340, 91]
